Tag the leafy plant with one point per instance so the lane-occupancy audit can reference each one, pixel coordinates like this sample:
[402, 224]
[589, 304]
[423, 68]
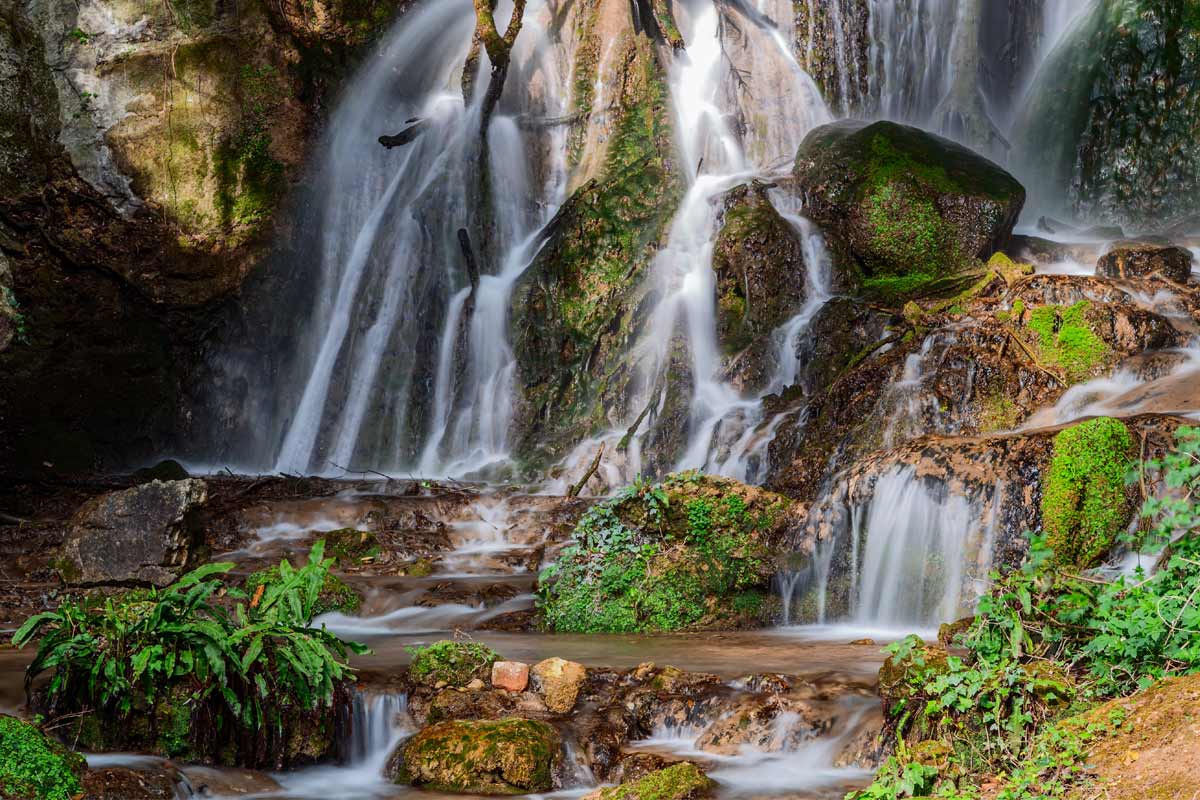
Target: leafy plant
[115, 654]
[34, 766]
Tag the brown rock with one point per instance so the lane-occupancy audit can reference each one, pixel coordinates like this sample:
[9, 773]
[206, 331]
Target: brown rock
[558, 681]
[510, 675]
[1140, 259]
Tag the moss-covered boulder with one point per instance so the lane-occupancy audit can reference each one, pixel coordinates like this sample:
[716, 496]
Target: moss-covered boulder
[1141, 259]
[682, 781]
[693, 552]
[1085, 503]
[489, 757]
[452, 663]
[903, 207]
[336, 594]
[758, 259]
[35, 767]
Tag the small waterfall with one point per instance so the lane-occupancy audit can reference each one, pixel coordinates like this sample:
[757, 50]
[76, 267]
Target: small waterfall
[910, 57]
[910, 554]
[377, 723]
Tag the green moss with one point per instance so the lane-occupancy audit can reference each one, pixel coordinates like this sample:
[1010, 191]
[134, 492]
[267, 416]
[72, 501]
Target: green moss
[690, 553]
[1084, 503]
[455, 663]
[680, 781]
[998, 412]
[35, 767]
[489, 757]
[336, 594]
[1065, 339]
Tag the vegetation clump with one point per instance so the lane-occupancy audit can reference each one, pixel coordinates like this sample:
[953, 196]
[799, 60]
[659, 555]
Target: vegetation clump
[1046, 645]
[171, 671]
[335, 594]
[682, 781]
[35, 767]
[1065, 339]
[693, 552]
[1084, 506]
[452, 663]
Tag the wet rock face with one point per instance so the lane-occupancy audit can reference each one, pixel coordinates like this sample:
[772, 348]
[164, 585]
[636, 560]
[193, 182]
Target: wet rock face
[1140, 260]
[506, 756]
[139, 536]
[758, 259]
[900, 203]
[118, 783]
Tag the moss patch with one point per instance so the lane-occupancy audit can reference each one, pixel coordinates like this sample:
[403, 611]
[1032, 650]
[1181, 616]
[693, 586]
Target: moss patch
[35, 767]
[1065, 338]
[694, 552]
[455, 663]
[682, 781]
[1084, 502]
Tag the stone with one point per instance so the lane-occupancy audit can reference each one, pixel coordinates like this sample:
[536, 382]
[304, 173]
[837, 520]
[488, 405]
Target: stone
[903, 207]
[510, 675]
[119, 783]
[506, 756]
[770, 725]
[1141, 259]
[138, 536]
[475, 685]
[559, 682]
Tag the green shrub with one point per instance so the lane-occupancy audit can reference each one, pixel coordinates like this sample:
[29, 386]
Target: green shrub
[1084, 507]
[456, 663]
[34, 766]
[684, 554]
[120, 655]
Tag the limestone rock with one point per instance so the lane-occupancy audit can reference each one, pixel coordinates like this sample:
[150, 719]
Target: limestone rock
[1140, 259]
[492, 757]
[510, 675]
[559, 682]
[140, 535]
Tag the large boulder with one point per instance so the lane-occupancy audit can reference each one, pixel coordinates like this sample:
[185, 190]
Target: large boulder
[904, 207]
[694, 552]
[138, 536]
[489, 757]
[1141, 259]
[35, 767]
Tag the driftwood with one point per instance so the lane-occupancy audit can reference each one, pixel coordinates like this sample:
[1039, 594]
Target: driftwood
[405, 136]
[587, 476]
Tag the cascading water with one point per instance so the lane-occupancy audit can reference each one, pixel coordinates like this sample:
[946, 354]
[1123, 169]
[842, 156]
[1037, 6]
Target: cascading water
[404, 362]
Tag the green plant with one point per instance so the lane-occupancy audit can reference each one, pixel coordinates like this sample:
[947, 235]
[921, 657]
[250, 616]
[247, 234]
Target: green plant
[123, 653]
[1084, 508]
[34, 766]
[455, 663]
[1065, 339]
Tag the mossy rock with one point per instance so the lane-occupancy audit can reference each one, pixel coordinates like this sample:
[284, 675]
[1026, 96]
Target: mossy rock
[904, 675]
[336, 594]
[452, 663]
[35, 767]
[489, 757]
[904, 208]
[351, 546]
[1085, 502]
[694, 552]
[682, 781]
[1067, 338]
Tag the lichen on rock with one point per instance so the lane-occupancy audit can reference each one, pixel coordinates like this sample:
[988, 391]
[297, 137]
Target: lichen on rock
[490, 757]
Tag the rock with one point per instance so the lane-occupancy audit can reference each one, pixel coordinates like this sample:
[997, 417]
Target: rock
[492, 757]
[758, 259]
[141, 535]
[949, 633]
[351, 546]
[32, 765]
[558, 681]
[1139, 260]
[510, 675]
[475, 685]
[451, 704]
[168, 470]
[683, 781]
[119, 783]
[902, 207]
[770, 725]
[701, 554]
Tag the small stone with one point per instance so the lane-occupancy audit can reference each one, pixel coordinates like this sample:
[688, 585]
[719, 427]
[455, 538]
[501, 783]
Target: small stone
[510, 675]
[475, 686]
[440, 685]
[559, 682]
[867, 642]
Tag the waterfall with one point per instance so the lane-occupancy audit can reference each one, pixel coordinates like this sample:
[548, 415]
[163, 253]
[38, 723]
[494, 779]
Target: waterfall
[402, 362]
[909, 57]
[910, 553]
[377, 722]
